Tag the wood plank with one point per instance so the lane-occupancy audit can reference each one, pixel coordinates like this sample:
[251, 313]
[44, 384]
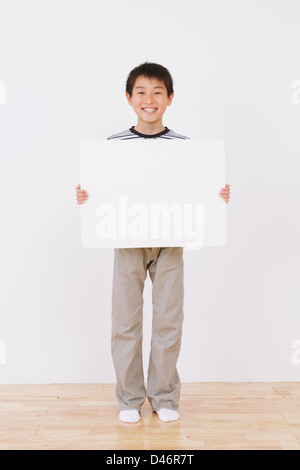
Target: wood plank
[212, 416]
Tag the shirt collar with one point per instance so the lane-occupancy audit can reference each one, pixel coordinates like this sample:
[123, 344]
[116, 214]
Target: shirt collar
[134, 131]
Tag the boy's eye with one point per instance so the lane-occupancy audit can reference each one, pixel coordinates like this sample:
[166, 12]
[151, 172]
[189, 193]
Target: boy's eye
[157, 93]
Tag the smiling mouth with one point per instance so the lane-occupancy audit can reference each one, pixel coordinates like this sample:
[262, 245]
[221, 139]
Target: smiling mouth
[149, 110]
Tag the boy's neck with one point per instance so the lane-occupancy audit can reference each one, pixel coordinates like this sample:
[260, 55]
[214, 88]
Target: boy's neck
[149, 128]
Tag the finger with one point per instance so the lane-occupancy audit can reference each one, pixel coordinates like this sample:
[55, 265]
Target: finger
[78, 187]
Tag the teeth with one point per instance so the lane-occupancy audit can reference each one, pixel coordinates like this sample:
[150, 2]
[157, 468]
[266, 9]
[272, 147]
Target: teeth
[150, 110]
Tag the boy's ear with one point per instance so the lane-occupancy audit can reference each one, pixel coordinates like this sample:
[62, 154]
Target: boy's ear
[170, 99]
[128, 98]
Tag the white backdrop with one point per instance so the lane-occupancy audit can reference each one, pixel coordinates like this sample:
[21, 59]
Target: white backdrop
[236, 69]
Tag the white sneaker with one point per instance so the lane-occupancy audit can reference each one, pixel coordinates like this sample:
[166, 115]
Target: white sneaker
[129, 416]
[165, 415]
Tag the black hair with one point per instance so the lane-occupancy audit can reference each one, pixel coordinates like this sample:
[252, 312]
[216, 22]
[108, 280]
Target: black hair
[150, 70]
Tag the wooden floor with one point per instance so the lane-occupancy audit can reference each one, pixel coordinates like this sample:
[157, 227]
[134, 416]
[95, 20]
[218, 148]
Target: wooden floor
[212, 416]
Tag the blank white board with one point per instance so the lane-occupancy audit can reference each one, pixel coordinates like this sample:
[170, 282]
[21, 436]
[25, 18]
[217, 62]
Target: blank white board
[153, 193]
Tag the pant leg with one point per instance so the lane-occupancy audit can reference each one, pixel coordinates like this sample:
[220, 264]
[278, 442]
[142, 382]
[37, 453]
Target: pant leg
[129, 274]
[163, 384]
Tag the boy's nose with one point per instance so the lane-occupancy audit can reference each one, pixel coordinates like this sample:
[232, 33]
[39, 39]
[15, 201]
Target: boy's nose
[149, 97]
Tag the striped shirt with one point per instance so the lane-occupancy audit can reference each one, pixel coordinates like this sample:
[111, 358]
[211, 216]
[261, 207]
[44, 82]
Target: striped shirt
[134, 134]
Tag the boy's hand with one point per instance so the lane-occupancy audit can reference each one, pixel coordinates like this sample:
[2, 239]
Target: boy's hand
[225, 193]
[81, 195]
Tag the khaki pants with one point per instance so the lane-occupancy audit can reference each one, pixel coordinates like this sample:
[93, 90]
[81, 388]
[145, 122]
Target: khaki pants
[165, 267]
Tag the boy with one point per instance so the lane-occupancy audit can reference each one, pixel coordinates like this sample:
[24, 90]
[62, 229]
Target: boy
[149, 90]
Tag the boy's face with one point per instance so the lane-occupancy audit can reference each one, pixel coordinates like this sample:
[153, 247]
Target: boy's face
[149, 93]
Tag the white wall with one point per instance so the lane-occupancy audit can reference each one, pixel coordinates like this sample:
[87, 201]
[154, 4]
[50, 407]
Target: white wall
[63, 66]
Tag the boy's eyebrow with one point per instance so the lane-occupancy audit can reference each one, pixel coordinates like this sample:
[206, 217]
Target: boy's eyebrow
[145, 87]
